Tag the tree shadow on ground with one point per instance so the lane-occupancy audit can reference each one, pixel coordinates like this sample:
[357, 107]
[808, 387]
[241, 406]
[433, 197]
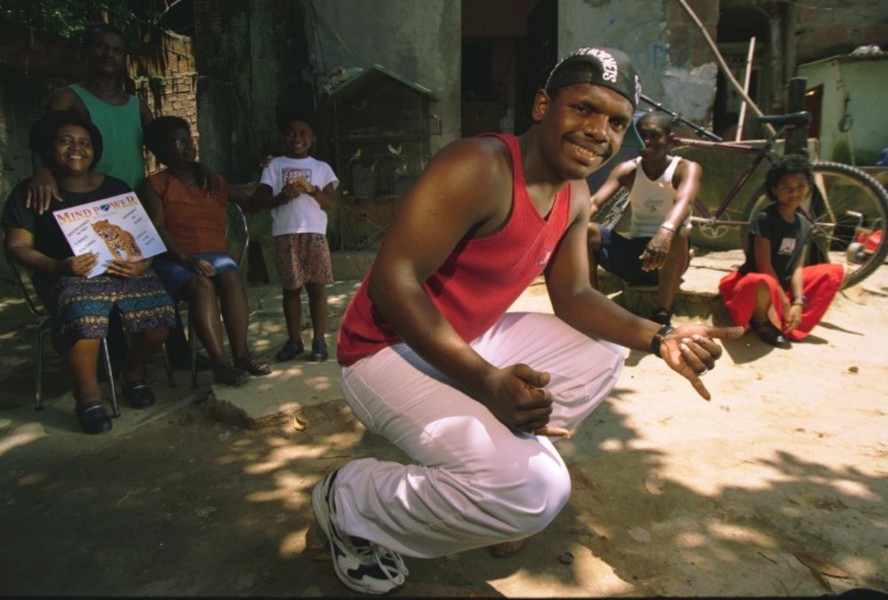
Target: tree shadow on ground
[186, 506]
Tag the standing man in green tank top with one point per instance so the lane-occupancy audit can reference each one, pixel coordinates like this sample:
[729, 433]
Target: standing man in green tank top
[120, 117]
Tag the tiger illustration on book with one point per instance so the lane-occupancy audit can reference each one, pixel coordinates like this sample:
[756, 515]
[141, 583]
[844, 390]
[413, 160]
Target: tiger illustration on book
[120, 242]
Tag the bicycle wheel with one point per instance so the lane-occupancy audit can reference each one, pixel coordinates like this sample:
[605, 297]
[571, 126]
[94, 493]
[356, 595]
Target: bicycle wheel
[849, 210]
[613, 209]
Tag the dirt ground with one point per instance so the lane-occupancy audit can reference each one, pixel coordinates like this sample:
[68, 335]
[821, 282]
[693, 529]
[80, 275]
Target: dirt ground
[777, 487]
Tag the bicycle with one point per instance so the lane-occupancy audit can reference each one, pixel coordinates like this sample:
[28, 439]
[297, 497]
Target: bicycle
[849, 208]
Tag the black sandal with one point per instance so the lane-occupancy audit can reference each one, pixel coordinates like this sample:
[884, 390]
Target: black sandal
[252, 366]
[93, 418]
[770, 334]
[138, 393]
[231, 375]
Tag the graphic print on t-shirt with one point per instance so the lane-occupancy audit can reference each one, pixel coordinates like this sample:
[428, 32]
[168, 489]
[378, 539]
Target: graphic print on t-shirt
[653, 205]
[296, 175]
[787, 245]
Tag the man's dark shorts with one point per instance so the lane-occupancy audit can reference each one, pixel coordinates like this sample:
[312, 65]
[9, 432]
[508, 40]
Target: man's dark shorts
[620, 255]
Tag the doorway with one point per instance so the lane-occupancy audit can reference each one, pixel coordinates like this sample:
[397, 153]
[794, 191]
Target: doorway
[737, 25]
[508, 47]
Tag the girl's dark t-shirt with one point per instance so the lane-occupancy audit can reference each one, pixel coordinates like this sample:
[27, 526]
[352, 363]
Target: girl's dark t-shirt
[788, 240]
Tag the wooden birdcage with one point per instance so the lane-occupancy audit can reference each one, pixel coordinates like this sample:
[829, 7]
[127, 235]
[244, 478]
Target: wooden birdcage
[380, 133]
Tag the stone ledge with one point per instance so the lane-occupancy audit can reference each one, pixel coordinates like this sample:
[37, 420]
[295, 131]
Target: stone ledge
[697, 297]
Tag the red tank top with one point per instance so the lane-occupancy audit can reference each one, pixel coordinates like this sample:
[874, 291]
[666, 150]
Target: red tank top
[479, 281]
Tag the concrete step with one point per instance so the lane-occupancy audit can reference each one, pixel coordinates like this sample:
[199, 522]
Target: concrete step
[697, 298]
[352, 264]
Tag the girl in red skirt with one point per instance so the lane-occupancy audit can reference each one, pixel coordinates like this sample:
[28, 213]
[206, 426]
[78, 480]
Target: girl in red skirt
[772, 292]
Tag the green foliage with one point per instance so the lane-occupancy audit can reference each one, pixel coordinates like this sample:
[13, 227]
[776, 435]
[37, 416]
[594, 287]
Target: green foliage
[68, 18]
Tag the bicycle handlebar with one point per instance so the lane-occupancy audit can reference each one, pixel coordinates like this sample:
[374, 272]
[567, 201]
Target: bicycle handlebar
[797, 119]
[702, 132]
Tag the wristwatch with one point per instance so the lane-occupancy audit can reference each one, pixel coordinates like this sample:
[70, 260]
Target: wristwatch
[658, 338]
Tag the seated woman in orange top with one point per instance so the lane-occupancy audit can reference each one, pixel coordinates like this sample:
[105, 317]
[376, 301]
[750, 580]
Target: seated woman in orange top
[191, 221]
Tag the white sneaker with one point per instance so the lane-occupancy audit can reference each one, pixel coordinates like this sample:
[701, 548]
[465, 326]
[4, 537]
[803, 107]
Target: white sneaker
[360, 564]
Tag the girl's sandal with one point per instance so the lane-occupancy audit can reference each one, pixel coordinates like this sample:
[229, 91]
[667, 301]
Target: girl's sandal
[770, 334]
[231, 375]
[252, 366]
[92, 418]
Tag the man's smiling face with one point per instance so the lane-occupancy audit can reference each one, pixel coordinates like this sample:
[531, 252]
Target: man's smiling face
[581, 127]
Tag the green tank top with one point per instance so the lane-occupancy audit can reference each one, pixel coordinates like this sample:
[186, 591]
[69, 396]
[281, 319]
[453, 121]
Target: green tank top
[121, 129]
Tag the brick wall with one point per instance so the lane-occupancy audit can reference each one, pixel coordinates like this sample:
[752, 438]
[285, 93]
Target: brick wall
[687, 45]
[833, 27]
[173, 94]
[33, 64]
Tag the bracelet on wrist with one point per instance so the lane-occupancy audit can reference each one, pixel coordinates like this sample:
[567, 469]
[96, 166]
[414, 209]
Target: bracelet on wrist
[658, 338]
[800, 300]
[668, 226]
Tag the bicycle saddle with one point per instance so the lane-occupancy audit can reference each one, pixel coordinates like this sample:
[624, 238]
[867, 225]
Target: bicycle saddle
[803, 117]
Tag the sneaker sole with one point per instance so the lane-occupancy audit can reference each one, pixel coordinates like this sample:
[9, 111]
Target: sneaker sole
[322, 518]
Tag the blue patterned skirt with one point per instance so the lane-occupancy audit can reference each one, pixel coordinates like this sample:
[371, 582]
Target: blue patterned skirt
[80, 307]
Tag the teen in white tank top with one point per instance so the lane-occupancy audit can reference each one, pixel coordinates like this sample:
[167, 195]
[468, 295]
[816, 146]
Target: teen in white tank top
[650, 200]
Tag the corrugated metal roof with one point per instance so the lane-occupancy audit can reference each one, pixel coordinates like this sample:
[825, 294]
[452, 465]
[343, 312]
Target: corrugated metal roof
[375, 71]
[851, 57]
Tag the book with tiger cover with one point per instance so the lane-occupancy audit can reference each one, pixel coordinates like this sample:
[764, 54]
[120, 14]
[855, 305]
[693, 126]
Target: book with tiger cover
[115, 228]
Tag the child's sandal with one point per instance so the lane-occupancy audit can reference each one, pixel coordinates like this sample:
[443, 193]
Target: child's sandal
[231, 375]
[252, 366]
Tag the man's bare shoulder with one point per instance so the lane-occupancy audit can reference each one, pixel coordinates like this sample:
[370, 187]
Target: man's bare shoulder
[472, 177]
[624, 172]
[688, 168]
[627, 167]
[486, 149]
[64, 98]
[477, 161]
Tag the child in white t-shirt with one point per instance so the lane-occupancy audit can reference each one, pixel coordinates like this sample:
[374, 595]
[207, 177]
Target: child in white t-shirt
[300, 189]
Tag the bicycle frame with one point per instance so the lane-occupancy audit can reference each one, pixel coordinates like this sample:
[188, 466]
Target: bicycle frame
[848, 209]
[760, 154]
[711, 141]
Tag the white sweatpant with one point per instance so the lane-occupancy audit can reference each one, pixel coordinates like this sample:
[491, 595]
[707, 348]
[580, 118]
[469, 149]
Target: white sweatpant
[476, 482]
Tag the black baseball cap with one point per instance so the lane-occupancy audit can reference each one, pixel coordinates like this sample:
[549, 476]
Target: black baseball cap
[607, 67]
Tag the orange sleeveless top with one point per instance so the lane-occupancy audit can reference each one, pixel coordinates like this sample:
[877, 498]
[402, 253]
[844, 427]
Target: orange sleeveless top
[191, 215]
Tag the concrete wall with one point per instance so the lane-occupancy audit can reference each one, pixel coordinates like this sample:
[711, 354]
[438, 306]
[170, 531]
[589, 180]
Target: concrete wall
[862, 82]
[243, 70]
[259, 58]
[666, 48]
[21, 103]
[251, 57]
[418, 40]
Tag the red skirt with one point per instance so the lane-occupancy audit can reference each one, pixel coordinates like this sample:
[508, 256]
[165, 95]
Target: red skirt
[820, 284]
